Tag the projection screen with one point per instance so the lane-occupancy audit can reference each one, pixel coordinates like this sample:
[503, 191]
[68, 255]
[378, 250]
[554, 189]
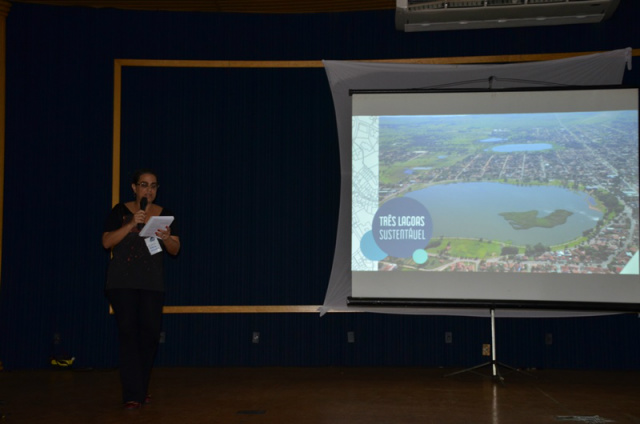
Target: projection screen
[506, 198]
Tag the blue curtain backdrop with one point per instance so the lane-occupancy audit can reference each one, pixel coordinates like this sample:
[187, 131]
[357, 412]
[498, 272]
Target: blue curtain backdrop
[248, 160]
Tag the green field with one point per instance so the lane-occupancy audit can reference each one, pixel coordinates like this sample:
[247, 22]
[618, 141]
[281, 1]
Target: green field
[466, 248]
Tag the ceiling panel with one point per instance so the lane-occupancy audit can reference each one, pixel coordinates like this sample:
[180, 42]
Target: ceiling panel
[229, 6]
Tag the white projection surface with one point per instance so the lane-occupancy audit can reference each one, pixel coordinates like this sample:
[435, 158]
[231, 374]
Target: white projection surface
[502, 195]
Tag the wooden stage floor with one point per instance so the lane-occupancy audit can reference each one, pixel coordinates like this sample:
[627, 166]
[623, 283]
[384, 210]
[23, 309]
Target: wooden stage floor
[325, 395]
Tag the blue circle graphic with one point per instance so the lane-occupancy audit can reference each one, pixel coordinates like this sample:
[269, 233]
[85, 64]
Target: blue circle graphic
[420, 256]
[401, 226]
[370, 249]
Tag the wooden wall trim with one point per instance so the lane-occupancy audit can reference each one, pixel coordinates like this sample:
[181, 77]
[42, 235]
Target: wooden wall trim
[318, 63]
[242, 309]
[4, 11]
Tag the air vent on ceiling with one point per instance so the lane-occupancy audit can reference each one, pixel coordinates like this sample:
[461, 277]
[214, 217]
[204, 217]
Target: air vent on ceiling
[441, 15]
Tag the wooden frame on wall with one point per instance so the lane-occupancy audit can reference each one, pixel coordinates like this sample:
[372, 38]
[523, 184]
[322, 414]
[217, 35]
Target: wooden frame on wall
[117, 104]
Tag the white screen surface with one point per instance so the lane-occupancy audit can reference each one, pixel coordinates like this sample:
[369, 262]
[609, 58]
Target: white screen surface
[503, 195]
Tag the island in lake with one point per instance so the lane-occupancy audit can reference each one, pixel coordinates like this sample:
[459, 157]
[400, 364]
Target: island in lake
[530, 219]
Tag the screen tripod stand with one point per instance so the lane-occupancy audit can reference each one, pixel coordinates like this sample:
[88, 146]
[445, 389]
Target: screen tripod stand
[493, 363]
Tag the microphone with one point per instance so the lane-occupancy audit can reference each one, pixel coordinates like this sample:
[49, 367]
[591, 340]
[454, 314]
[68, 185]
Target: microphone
[143, 206]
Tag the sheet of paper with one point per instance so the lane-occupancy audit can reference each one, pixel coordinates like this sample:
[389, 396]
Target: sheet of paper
[154, 224]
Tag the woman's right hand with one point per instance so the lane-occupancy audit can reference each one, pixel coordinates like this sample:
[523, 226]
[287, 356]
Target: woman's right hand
[138, 218]
[112, 238]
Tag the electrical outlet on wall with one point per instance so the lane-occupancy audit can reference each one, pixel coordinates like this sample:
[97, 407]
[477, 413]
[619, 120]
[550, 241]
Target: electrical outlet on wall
[486, 349]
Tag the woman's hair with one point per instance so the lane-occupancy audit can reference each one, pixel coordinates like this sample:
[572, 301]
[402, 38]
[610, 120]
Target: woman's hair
[141, 172]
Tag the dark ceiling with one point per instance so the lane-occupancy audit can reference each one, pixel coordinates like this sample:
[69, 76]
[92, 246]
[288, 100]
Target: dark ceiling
[229, 6]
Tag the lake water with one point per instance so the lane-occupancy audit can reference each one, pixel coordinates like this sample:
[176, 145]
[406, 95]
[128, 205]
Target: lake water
[534, 147]
[473, 210]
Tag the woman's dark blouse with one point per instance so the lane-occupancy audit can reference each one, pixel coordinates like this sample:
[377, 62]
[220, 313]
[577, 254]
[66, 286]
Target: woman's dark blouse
[131, 265]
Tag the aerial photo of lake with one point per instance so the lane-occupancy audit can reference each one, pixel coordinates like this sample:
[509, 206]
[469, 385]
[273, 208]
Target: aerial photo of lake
[472, 210]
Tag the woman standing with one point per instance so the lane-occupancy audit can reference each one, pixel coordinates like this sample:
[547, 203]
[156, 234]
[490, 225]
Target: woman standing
[135, 283]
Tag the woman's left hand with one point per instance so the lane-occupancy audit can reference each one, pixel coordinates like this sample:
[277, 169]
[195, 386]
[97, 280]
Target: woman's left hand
[163, 234]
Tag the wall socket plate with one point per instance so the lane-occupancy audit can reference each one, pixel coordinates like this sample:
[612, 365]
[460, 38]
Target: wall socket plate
[351, 337]
[486, 349]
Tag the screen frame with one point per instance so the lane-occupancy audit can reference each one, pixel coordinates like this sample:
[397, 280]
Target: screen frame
[478, 302]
